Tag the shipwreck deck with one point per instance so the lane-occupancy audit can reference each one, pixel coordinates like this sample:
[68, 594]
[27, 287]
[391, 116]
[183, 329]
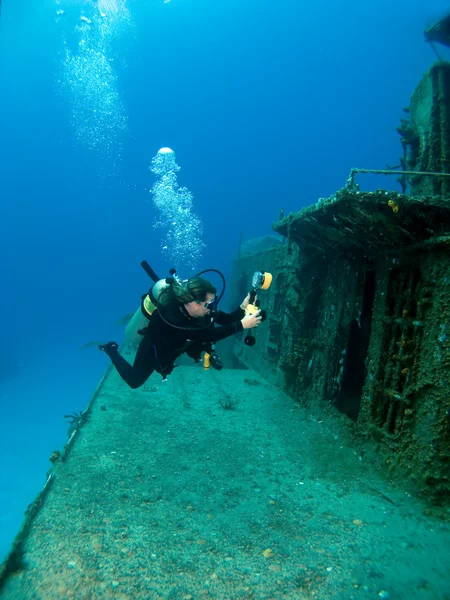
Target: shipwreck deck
[217, 485]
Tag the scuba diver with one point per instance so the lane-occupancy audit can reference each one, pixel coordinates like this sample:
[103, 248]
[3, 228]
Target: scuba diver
[180, 317]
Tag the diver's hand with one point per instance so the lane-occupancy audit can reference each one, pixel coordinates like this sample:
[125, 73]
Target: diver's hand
[250, 321]
[246, 301]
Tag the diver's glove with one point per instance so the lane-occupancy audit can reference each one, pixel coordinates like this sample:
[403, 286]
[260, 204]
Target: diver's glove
[109, 348]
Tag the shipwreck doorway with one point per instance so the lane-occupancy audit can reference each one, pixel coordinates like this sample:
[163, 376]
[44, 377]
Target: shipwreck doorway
[354, 363]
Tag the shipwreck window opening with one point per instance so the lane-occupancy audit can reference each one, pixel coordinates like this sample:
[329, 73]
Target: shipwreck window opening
[354, 367]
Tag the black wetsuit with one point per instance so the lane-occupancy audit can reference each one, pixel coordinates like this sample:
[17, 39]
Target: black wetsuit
[163, 342]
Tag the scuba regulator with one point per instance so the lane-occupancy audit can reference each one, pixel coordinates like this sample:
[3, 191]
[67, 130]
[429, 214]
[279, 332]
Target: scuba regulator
[260, 281]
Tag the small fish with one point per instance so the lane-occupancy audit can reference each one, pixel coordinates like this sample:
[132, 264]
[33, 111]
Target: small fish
[91, 345]
[125, 319]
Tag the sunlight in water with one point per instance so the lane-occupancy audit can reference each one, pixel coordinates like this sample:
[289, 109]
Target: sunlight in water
[182, 245]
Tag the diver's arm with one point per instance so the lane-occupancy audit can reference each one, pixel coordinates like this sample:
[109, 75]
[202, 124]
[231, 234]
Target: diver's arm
[159, 328]
[215, 334]
[223, 318]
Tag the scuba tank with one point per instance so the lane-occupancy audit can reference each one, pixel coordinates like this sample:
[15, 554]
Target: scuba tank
[141, 317]
[149, 304]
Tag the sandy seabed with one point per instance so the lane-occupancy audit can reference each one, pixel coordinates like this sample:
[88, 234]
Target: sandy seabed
[218, 485]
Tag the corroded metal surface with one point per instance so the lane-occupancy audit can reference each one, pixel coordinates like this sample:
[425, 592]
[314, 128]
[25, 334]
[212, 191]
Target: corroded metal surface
[359, 320]
[425, 132]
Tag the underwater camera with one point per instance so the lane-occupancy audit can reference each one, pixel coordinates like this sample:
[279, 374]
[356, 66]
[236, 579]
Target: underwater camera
[260, 281]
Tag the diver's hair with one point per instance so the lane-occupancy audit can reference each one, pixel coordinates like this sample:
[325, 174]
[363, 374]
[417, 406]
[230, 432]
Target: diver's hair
[195, 289]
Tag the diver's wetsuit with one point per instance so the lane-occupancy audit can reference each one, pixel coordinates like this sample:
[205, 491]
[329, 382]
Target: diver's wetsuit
[163, 343]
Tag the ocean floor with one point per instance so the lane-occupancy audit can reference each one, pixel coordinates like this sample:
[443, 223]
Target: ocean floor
[217, 485]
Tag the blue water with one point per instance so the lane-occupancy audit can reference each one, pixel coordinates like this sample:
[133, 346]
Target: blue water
[266, 105]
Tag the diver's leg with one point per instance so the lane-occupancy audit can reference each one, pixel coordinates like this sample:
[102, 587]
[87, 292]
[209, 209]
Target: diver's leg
[144, 363]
